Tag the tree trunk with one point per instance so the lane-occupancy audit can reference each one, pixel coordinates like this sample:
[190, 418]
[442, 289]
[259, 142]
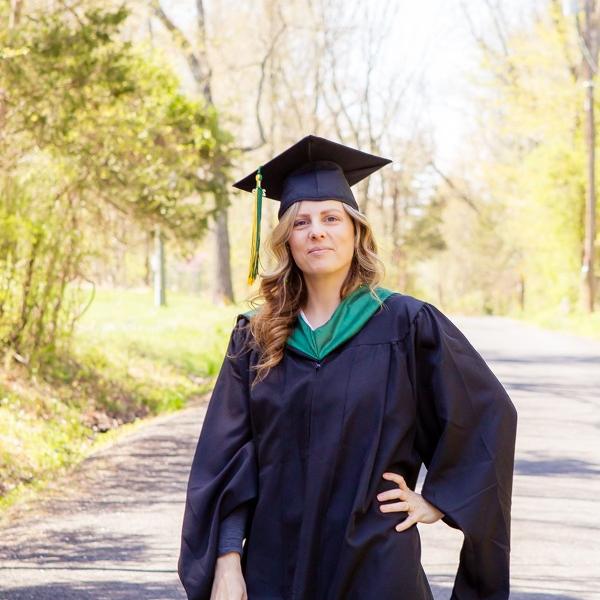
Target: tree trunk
[199, 65]
[222, 290]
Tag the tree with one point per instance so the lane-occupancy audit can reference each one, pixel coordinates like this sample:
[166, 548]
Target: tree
[92, 127]
[530, 151]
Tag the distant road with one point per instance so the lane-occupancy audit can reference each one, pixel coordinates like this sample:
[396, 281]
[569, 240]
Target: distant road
[110, 530]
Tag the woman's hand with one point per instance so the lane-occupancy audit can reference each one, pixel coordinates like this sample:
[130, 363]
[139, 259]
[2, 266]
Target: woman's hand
[419, 510]
[229, 581]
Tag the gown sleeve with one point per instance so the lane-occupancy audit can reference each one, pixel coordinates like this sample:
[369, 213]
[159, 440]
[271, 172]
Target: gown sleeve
[466, 437]
[223, 474]
[232, 531]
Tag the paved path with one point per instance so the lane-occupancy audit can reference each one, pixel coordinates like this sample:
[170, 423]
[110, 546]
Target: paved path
[111, 529]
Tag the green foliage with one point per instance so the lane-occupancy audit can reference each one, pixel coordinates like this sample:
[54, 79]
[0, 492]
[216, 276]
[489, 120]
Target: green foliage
[553, 216]
[38, 258]
[531, 106]
[94, 129]
[114, 114]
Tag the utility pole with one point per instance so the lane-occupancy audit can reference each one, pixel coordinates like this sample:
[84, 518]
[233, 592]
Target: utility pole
[589, 68]
[588, 42]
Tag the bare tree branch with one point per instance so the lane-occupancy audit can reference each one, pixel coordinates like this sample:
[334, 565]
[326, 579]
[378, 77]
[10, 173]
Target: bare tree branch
[261, 83]
[561, 30]
[459, 193]
[207, 74]
[195, 65]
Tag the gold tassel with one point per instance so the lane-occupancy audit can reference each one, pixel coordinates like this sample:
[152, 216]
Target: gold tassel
[258, 192]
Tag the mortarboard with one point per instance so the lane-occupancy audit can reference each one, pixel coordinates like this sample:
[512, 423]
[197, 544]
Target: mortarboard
[312, 169]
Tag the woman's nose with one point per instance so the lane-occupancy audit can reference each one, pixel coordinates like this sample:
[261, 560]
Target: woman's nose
[316, 231]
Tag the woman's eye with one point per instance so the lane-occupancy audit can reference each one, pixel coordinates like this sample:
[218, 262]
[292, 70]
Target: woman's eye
[303, 221]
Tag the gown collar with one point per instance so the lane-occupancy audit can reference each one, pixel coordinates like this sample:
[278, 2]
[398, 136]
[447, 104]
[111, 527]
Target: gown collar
[349, 317]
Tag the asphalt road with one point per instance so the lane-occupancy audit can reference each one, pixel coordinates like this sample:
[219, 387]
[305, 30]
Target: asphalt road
[110, 530]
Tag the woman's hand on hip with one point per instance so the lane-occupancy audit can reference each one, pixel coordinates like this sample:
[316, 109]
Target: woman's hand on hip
[229, 581]
[419, 510]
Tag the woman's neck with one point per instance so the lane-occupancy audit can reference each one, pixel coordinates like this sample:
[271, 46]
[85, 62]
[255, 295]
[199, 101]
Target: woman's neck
[322, 300]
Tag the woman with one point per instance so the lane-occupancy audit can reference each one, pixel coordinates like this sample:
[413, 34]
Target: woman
[331, 396]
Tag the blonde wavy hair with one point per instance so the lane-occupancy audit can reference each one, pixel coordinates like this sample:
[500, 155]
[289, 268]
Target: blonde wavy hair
[283, 290]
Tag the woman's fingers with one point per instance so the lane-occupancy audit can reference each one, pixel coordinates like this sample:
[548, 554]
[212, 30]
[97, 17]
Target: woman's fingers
[397, 479]
[408, 522]
[392, 495]
[418, 509]
[395, 506]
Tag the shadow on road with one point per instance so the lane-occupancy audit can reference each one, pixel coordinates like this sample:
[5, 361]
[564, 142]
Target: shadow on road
[444, 593]
[109, 590]
[570, 467]
[112, 526]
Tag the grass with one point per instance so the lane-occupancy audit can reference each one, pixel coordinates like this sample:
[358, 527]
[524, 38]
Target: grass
[128, 360]
[574, 322]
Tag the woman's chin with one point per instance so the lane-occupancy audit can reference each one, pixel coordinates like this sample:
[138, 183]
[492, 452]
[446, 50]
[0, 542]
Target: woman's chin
[322, 270]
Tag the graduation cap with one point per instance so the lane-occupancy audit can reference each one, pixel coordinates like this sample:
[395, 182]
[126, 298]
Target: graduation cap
[314, 168]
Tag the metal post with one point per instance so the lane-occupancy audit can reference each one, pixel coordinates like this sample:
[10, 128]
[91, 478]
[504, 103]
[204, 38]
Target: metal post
[158, 266]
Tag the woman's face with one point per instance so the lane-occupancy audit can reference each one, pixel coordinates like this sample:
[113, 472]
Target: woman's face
[322, 224]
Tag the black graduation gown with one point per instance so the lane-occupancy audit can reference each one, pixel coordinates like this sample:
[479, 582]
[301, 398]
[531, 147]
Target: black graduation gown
[307, 447]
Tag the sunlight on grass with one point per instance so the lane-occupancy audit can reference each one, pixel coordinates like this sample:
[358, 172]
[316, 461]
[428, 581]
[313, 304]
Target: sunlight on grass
[575, 322]
[188, 334]
[129, 360]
